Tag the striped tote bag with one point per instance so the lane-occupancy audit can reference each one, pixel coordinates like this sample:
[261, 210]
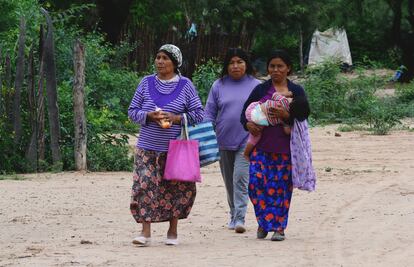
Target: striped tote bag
[208, 147]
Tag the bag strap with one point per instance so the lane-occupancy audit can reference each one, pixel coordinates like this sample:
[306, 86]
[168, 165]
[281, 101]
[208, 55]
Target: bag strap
[184, 128]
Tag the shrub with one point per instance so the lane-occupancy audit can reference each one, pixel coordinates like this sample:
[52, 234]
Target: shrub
[326, 91]
[405, 92]
[381, 118]
[204, 77]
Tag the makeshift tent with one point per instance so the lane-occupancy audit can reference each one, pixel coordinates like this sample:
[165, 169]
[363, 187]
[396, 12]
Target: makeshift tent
[332, 43]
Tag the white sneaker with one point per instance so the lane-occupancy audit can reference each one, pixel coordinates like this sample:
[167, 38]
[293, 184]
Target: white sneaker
[142, 240]
[171, 242]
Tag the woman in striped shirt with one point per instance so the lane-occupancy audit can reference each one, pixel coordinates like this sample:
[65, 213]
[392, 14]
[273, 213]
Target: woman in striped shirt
[158, 106]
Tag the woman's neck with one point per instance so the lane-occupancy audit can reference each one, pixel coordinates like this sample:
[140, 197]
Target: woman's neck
[280, 85]
[168, 76]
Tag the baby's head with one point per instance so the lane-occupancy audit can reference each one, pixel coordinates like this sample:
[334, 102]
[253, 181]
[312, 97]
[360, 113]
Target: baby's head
[299, 107]
[276, 100]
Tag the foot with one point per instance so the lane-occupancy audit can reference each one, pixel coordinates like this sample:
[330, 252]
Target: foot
[278, 236]
[261, 234]
[239, 228]
[142, 240]
[171, 241]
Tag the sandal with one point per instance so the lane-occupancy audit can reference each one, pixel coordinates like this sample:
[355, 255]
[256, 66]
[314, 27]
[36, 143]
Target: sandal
[142, 240]
[278, 236]
[261, 234]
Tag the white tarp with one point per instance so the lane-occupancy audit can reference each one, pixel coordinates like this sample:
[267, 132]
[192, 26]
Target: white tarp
[329, 44]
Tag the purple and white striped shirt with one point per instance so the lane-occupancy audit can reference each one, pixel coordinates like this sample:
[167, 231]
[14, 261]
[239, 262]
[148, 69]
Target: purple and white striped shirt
[152, 136]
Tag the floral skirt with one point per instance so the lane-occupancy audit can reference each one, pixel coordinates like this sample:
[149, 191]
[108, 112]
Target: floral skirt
[270, 189]
[153, 198]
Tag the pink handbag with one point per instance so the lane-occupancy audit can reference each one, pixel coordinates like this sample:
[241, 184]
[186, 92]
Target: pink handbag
[183, 162]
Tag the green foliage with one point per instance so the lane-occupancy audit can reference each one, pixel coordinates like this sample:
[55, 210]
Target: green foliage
[334, 98]
[405, 92]
[109, 153]
[204, 77]
[13, 177]
[326, 91]
[381, 118]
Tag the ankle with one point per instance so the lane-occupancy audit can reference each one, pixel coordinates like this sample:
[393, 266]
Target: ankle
[172, 234]
[145, 234]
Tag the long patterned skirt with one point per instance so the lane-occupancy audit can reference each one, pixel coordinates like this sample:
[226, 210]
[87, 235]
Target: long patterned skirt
[270, 189]
[153, 198]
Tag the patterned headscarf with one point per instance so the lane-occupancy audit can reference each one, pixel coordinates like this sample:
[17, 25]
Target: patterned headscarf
[173, 53]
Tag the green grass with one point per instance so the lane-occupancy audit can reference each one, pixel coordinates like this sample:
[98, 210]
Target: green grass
[14, 177]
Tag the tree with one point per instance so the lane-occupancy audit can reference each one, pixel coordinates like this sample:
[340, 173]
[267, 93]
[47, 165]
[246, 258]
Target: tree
[79, 106]
[17, 120]
[52, 105]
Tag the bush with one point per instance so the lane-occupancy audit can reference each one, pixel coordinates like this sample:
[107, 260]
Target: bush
[405, 92]
[326, 91]
[204, 77]
[381, 118]
[109, 153]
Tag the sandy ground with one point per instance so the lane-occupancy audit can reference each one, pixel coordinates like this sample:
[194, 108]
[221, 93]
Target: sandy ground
[362, 214]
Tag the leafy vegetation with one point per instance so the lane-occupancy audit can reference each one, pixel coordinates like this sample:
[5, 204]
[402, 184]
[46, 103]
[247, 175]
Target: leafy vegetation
[137, 28]
[204, 77]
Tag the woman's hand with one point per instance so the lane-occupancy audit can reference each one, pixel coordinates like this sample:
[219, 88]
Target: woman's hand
[156, 116]
[253, 128]
[173, 118]
[278, 112]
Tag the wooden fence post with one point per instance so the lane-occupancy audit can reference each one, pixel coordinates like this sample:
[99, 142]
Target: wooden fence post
[79, 106]
[31, 151]
[17, 118]
[51, 91]
[41, 101]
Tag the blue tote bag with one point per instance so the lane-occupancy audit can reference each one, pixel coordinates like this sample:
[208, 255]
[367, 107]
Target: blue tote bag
[208, 147]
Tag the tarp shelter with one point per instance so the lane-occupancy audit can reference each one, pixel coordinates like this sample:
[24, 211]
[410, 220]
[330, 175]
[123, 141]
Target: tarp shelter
[332, 43]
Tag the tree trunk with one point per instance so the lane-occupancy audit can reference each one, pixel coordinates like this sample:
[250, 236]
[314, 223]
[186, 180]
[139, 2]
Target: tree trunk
[7, 95]
[52, 106]
[302, 65]
[31, 152]
[395, 34]
[41, 101]
[1, 84]
[79, 106]
[16, 115]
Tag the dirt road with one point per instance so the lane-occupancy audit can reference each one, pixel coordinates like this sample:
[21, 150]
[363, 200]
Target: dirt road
[362, 214]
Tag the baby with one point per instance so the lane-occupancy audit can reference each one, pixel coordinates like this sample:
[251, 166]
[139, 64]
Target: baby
[258, 113]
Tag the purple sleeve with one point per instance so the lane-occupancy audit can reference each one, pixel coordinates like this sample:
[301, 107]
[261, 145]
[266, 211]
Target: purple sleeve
[135, 112]
[194, 108]
[211, 105]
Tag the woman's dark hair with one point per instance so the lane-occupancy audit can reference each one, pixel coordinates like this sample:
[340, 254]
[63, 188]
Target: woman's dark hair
[236, 52]
[283, 55]
[299, 108]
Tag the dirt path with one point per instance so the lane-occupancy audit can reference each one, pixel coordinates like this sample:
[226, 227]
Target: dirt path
[362, 214]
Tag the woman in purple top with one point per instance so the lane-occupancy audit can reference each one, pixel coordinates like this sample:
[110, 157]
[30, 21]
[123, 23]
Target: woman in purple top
[270, 184]
[223, 108]
[158, 105]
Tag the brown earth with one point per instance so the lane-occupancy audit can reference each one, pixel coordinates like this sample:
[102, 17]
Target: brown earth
[362, 214]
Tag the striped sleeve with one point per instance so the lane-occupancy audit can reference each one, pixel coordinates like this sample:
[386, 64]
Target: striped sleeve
[194, 108]
[135, 112]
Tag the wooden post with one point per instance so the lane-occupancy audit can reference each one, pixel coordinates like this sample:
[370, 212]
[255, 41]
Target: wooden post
[51, 91]
[7, 95]
[1, 83]
[31, 152]
[16, 115]
[41, 101]
[79, 106]
[302, 65]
